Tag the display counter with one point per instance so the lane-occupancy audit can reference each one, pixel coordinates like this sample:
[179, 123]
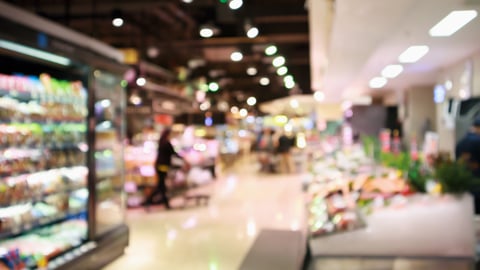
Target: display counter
[359, 208]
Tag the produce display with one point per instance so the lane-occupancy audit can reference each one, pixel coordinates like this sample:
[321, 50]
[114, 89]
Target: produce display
[43, 173]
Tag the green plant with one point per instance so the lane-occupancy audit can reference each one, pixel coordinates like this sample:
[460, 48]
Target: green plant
[454, 176]
[399, 161]
[417, 177]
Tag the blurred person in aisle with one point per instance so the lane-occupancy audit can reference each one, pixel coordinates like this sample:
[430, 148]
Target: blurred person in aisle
[266, 148]
[163, 162]
[284, 146]
[468, 151]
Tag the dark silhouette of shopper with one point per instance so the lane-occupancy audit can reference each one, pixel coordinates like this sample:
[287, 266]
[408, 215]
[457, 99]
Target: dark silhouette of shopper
[162, 165]
[468, 151]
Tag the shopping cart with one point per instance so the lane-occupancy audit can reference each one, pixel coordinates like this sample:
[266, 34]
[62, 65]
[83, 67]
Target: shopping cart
[178, 185]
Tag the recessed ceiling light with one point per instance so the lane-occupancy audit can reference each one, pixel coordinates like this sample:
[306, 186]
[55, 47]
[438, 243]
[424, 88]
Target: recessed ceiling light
[282, 71]
[252, 71]
[117, 22]
[141, 81]
[252, 32]
[264, 81]
[187, 1]
[235, 4]
[271, 50]
[392, 71]
[251, 101]
[288, 78]
[278, 61]
[213, 86]
[289, 84]
[206, 31]
[378, 82]
[452, 23]
[413, 54]
[236, 56]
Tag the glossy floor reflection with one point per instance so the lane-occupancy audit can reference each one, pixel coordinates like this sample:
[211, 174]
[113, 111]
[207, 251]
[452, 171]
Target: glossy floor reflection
[217, 236]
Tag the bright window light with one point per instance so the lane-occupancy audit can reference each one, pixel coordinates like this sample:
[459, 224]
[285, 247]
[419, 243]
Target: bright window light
[271, 50]
[413, 54]
[278, 61]
[252, 32]
[251, 101]
[378, 82]
[235, 4]
[392, 71]
[282, 71]
[264, 81]
[319, 96]
[252, 71]
[236, 56]
[452, 23]
[50, 57]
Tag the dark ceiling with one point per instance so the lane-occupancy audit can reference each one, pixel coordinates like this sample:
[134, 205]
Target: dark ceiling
[169, 30]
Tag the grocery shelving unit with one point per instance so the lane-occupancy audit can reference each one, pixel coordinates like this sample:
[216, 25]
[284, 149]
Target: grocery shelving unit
[61, 153]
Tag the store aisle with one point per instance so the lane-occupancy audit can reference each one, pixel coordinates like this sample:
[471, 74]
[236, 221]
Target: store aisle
[219, 235]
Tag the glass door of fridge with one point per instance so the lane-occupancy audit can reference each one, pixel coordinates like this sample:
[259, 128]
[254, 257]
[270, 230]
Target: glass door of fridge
[109, 167]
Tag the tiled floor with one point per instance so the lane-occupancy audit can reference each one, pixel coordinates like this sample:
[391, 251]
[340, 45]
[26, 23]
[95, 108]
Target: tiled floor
[218, 236]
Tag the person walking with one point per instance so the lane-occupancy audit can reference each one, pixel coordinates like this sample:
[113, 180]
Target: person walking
[162, 165]
[284, 145]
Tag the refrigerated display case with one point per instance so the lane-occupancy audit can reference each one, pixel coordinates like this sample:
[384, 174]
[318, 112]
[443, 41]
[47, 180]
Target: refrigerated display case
[61, 154]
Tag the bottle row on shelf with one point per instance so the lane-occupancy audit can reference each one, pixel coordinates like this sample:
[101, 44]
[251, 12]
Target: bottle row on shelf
[36, 249]
[43, 88]
[36, 135]
[18, 162]
[36, 186]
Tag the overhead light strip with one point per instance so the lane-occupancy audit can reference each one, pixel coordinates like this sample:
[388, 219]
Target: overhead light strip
[50, 57]
[413, 54]
[453, 22]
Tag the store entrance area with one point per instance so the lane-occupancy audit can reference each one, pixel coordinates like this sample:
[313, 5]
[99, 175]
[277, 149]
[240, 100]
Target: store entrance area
[219, 236]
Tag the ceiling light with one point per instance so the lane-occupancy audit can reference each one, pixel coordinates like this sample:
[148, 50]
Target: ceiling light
[187, 1]
[235, 4]
[378, 82]
[213, 86]
[288, 78]
[117, 19]
[413, 54]
[252, 32]
[282, 71]
[271, 50]
[319, 96]
[264, 81]
[141, 81]
[392, 71]
[243, 112]
[234, 109]
[289, 84]
[251, 101]
[206, 32]
[236, 56]
[452, 23]
[50, 57]
[252, 71]
[117, 22]
[278, 61]
[205, 105]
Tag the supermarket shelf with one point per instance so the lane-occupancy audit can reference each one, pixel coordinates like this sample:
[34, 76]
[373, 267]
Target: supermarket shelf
[41, 222]
[40, 198]
[28, 120]
[26, 96]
